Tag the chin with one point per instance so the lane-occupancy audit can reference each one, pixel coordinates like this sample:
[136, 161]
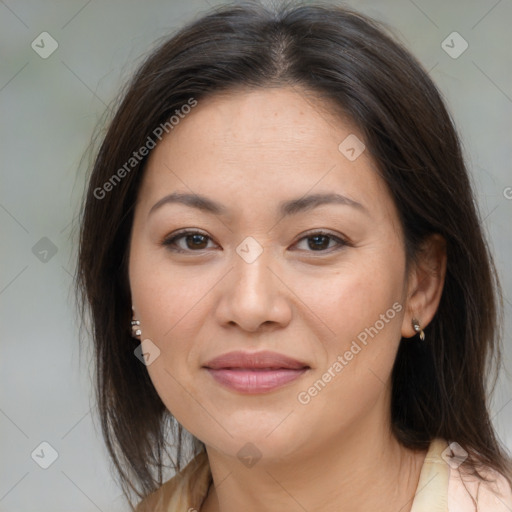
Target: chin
[258, 440]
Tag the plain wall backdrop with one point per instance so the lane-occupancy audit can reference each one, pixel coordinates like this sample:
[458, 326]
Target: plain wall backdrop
[49, 108]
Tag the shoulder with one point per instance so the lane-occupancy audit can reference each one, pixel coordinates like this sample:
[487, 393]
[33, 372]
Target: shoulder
[445, 485]
[469, 493]
[184, 490]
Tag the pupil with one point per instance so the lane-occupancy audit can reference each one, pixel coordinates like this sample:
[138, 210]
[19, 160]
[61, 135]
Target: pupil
[319, 245]
[196, 240]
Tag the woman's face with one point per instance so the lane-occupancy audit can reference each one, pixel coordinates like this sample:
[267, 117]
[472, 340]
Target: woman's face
[320, 282]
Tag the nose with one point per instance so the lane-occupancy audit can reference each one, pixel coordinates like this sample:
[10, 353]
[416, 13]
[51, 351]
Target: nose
[253, 296]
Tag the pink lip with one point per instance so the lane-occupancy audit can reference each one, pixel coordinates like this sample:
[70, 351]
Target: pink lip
[255, 372]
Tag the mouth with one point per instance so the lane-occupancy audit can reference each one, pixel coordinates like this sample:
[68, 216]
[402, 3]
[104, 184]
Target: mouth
[254, 373]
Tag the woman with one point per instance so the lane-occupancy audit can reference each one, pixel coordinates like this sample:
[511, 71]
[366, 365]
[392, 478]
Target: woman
[285, 268]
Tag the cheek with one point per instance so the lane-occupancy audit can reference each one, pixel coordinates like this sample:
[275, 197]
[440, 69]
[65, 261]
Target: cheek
[171, 305]
[355, 298]
[172, 313]
[171, 316]
[366, 318]
[164, 295]
[362, 307]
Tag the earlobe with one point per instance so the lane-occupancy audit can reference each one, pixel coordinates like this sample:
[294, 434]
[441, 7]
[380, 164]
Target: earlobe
[425, 286]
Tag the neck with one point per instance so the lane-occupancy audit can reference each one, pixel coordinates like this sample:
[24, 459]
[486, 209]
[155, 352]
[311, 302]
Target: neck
[364, 469]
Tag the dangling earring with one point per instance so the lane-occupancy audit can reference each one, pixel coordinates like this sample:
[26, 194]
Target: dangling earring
[416, 326]
[136, 331]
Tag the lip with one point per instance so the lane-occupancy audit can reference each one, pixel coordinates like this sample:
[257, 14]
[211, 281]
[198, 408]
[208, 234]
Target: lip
[256, 372]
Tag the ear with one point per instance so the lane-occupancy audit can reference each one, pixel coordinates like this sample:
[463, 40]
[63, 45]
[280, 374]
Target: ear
[425, 283]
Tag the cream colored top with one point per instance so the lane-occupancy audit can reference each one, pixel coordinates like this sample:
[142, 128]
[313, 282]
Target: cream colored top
[441, 487]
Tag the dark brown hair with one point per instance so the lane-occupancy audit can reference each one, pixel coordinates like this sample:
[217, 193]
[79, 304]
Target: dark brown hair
[440, 387]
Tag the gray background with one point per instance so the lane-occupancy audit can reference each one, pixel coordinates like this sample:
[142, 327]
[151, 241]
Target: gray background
[49, 108]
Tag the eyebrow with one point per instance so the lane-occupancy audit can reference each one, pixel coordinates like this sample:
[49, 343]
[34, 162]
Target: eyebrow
[286, 208]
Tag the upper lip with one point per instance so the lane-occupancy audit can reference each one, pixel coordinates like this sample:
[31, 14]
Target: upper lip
[264, 359]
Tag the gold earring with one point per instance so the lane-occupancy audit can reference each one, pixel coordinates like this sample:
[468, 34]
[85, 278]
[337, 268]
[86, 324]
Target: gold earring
[416, 326]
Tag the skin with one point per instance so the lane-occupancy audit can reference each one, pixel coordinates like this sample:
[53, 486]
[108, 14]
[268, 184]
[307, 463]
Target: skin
[250, 150]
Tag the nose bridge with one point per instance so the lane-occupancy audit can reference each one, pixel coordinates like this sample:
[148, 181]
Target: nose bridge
[252, 273]
[253, 295]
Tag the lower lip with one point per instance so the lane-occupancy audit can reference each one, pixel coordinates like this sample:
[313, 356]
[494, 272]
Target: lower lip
[255, 381]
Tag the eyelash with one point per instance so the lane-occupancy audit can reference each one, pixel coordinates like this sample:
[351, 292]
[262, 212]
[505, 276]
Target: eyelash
[169, 242]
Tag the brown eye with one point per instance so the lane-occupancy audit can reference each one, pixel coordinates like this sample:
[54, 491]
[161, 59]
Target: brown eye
[322, 242]
[318, 242]
[193, 241]
[196, 241]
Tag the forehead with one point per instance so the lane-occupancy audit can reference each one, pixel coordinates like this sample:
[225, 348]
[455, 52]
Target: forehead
[260, 122]
[261, 146]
